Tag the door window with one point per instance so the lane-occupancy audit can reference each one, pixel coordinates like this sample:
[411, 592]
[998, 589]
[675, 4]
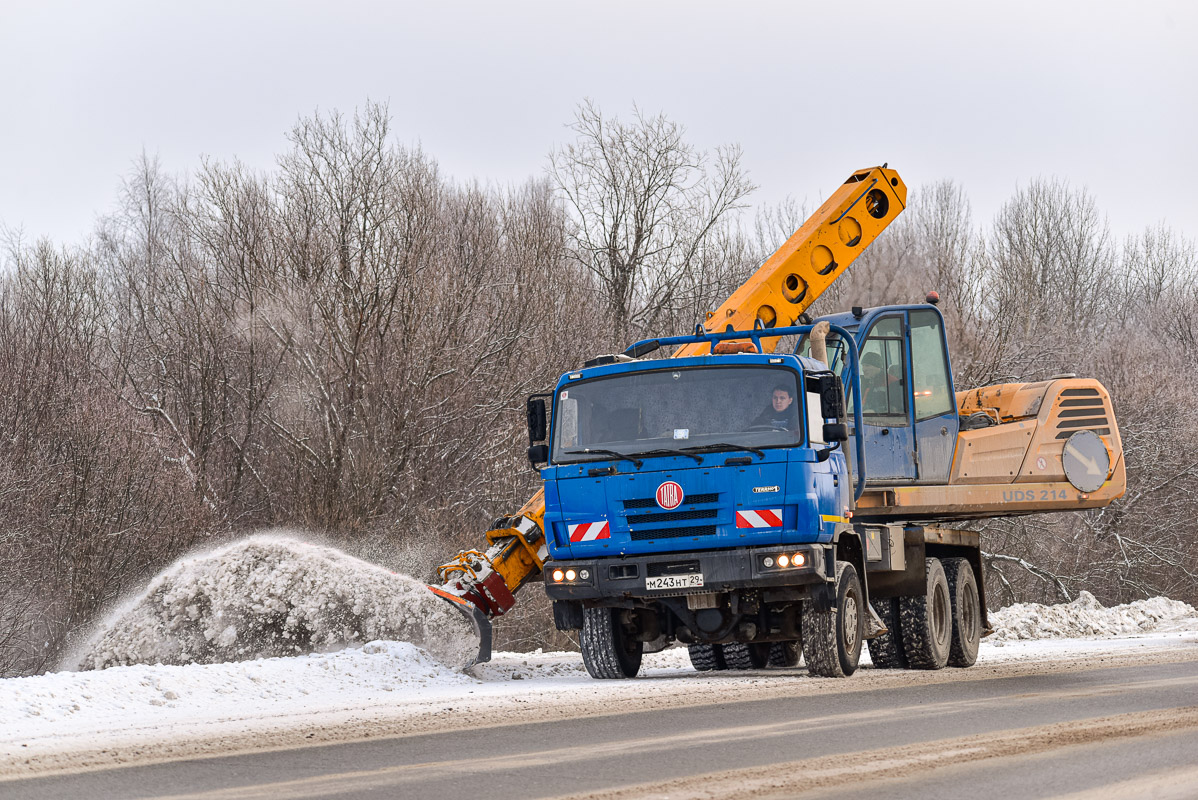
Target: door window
[929, 367]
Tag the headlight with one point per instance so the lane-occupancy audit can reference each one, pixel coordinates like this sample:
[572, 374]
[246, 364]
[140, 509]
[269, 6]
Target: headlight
[570, 575]
[558, 575]
[799, 559]
[783, 561]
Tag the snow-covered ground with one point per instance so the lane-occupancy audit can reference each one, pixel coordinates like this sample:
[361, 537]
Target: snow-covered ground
[401, 687]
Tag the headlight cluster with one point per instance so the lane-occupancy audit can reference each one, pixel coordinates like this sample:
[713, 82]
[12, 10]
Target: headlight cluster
[567, 575]
[785, 561]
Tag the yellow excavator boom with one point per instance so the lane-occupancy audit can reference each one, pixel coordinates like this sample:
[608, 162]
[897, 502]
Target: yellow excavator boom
[812, 258]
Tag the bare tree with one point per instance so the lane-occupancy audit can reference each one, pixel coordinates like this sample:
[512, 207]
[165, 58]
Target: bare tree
[643, 204]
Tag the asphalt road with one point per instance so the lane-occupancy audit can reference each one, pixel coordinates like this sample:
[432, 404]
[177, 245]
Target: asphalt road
[1109, 733]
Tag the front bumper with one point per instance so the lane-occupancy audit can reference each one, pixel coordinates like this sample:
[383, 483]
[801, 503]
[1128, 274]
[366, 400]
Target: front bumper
[722, 571]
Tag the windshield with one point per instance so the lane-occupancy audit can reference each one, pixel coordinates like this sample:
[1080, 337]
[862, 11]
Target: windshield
[691, 410]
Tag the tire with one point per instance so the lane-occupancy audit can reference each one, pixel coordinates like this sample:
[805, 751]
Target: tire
[832, 638]
[706, 657]
[607, 651]
[738, 655]
[785, 655]
[967, 612]
[886, 651]
[926, 622]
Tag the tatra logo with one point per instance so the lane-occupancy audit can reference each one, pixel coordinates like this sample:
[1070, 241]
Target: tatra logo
[764, 489]
[669, 495]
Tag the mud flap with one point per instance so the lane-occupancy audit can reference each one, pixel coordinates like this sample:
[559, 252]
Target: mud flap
[478, 621]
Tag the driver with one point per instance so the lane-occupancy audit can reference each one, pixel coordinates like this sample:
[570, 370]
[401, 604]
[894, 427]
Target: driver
[781, 412]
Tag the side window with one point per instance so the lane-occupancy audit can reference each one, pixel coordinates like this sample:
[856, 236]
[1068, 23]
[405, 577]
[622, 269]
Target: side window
[884, 373]
[929, 367]
[567, 420]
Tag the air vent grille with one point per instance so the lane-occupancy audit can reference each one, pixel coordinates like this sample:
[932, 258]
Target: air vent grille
[691, 499]
[672, 533]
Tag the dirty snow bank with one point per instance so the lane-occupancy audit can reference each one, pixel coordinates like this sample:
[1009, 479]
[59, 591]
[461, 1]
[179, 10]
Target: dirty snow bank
[273, 595]
[1085, 616]
[130, 696]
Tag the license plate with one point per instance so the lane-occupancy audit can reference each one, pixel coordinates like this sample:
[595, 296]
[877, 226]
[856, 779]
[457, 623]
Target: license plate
[689, 581]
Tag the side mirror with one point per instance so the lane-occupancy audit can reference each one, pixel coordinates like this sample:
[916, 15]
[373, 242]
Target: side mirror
[537, 420]
[538, 454]
[836, 432]
[831, 399]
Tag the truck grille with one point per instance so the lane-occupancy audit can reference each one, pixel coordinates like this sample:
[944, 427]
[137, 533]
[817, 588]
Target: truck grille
[691, 499]
[673, 516]
[672, 533]
[684, 513]
[1082, 409]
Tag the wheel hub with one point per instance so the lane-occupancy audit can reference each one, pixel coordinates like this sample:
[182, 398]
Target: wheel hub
[851, 617]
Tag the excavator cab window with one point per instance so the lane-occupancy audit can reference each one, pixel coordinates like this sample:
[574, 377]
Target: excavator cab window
[929, 367]
[836, 357]
[884, 374]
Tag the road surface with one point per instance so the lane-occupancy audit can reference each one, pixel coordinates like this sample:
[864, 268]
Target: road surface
[1124, 732]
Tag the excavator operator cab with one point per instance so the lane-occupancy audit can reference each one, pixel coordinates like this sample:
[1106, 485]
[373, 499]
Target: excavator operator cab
[908, 405]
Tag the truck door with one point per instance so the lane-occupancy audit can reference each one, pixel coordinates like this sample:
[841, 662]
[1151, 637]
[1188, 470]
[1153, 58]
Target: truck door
[885, 402]
[936, 421]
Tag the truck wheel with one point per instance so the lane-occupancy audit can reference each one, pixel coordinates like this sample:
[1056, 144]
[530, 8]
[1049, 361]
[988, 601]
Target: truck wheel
[785, 654]
[738, 655]
[886, 651]
[832, 638]
[967, 612]
[607, 651]
[926, 622]
[706, 657]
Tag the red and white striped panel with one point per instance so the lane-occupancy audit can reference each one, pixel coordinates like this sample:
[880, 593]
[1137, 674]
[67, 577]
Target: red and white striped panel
[589, 531]
[761, 518]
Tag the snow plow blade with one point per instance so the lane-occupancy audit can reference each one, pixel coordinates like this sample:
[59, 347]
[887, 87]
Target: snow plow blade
[478, 620]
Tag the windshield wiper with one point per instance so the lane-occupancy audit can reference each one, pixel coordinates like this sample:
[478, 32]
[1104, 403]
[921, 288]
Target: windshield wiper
[721, 447]
[667, 451]
[592, 452]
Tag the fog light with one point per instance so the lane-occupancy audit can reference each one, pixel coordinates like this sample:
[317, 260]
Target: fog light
[769, 562]
[570, 575]
[558, 575]
[584, 574]
[799, 559]
[783, 561]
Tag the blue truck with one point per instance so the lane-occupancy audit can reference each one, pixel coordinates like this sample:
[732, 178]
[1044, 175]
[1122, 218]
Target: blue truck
[760, 506]
[710, 500]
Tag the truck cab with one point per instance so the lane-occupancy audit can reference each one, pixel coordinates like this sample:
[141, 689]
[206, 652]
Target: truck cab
[704, 453]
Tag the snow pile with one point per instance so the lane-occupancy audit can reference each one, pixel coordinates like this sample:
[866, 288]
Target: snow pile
[1085, 616]
[272, 595]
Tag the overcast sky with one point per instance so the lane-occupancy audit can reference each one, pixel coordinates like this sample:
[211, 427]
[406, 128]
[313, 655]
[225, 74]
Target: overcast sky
[991, 95]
